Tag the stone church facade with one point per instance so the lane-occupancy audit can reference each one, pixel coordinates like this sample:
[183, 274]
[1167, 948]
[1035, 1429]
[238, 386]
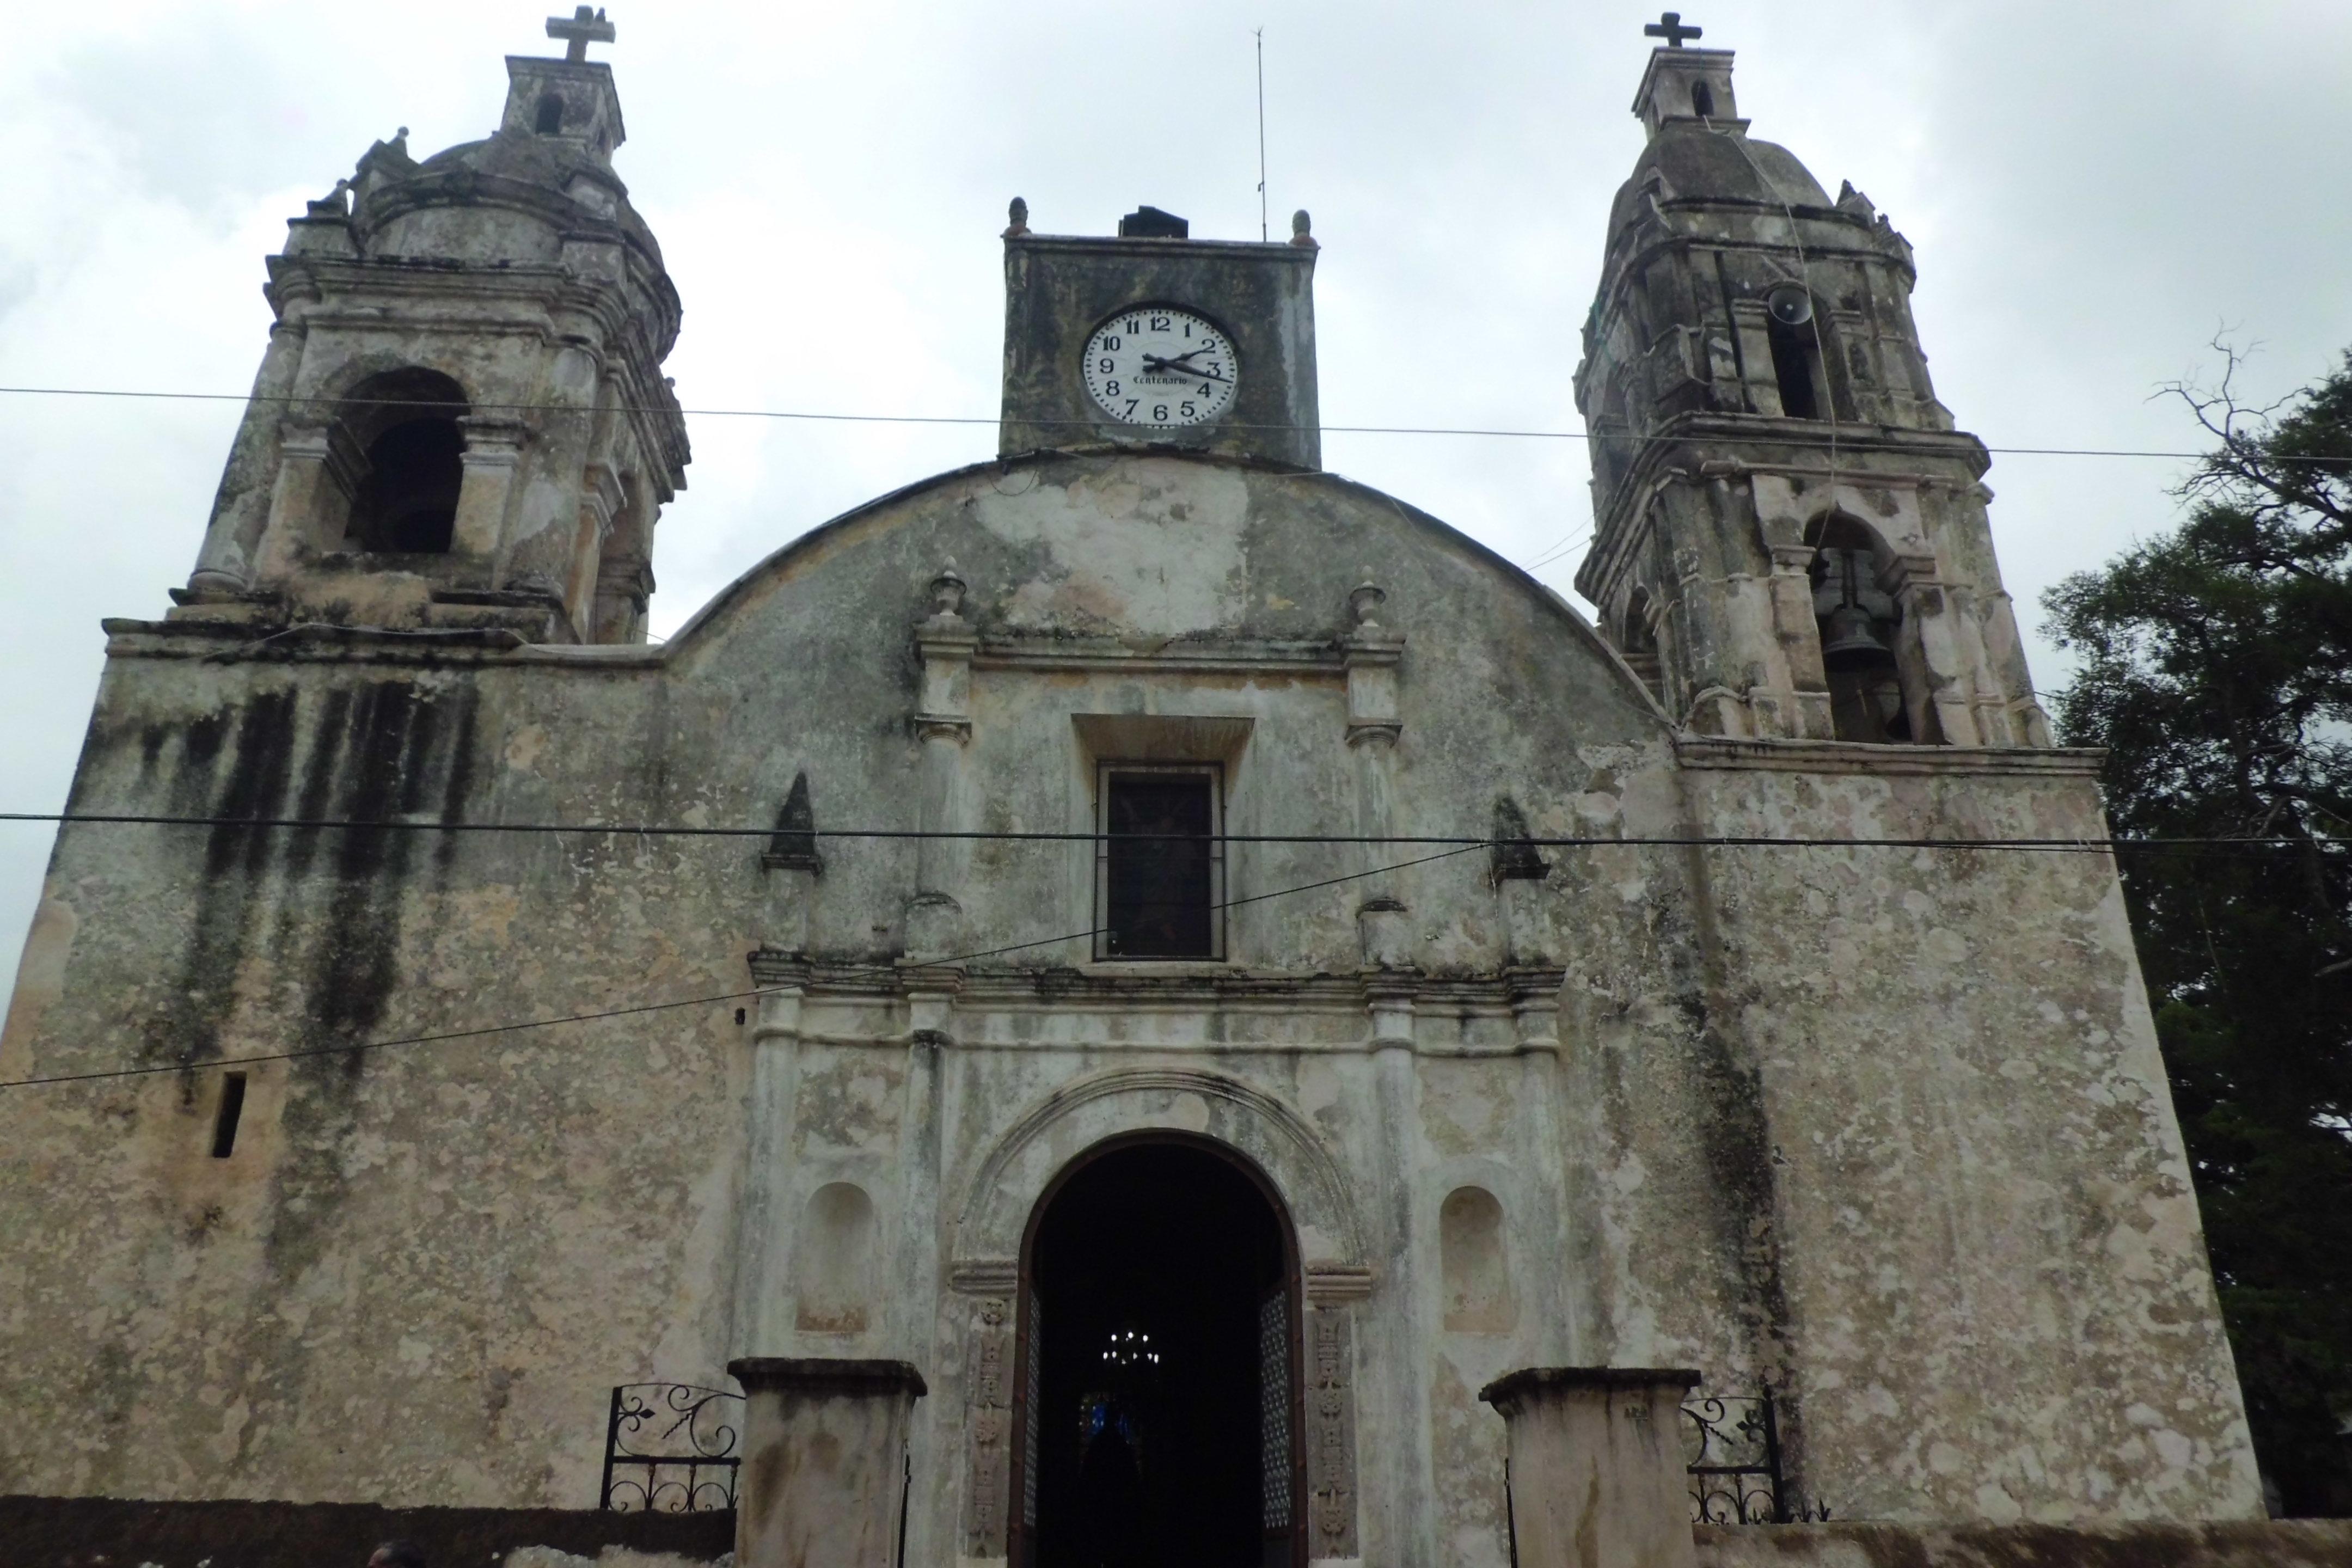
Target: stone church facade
[1193, 895]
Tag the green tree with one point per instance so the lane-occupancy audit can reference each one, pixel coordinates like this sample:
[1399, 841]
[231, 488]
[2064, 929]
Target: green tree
[2215, 665]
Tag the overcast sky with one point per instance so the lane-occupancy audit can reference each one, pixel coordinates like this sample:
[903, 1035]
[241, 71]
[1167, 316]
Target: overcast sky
[2094, 190]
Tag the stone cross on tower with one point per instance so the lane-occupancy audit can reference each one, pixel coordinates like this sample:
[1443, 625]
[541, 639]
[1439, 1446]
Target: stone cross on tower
[1669, 26]
[584, 27]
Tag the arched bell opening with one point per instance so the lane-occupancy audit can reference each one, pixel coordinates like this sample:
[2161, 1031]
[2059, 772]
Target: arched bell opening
[1861, 628]
[1157, 1405]
[405, 425]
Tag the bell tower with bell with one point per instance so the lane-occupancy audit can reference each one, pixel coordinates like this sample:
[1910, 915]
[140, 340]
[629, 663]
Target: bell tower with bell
[1791, 538]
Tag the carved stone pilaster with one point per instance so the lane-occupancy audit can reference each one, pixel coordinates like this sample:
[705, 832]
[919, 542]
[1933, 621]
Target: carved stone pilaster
[945, 642]
[1372, 653]
[988, 1426]
[1332, 1432]
[492, 457]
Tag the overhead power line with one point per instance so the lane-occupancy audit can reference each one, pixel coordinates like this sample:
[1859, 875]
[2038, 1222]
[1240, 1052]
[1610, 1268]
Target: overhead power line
[976, 419]
[1015, 835]
[445, 1036]
[1452, 847]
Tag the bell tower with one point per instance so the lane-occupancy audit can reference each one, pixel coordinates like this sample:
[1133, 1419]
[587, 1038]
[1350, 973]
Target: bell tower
[1791, 539]
[460, 422]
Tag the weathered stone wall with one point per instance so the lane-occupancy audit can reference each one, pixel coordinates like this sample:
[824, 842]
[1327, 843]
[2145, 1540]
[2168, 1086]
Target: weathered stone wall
[104, 1533]
[2266, 1543]
[1987, 1252]
[1741, 1110]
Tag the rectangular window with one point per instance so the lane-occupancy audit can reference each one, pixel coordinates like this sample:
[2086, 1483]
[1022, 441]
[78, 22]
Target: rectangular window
[1159, 868]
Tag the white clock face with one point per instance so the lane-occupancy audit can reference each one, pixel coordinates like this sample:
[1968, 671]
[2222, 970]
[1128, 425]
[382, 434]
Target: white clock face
[1158, 365]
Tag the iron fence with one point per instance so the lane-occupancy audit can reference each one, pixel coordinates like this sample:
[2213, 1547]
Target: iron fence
[1736, 1474]
[669, 1447]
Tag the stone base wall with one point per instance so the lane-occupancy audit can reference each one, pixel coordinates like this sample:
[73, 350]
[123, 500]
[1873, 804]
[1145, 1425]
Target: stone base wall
[2271, 1543]
[112, 1532]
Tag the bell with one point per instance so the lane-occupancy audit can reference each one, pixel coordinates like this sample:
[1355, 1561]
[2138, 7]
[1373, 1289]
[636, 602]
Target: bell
[1851, 642]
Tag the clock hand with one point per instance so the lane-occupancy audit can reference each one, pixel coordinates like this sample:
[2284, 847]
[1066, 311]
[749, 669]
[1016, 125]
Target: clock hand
[1153, 362]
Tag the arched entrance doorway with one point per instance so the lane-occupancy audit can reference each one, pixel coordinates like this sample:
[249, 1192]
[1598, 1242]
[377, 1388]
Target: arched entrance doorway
[1157, 1418]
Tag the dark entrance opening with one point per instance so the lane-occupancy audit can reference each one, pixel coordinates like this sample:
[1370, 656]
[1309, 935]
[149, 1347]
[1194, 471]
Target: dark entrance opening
[1160, 1396]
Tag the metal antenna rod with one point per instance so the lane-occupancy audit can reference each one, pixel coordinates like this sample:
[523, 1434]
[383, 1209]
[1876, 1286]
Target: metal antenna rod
[1260, 35]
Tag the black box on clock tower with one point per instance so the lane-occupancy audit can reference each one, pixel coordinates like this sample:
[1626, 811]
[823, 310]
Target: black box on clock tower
[1059, 289]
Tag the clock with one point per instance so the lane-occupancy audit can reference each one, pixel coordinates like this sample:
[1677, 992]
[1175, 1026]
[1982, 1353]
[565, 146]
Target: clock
[1155, 364]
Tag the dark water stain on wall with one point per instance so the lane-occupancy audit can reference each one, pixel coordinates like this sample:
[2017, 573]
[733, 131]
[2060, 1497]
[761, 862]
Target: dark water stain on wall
[233, 764]
[1737, 1143]
[381, 752]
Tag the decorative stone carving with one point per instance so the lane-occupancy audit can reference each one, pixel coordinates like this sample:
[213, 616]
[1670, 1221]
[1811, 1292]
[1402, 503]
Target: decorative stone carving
[1332, 1432]
[988, 1423]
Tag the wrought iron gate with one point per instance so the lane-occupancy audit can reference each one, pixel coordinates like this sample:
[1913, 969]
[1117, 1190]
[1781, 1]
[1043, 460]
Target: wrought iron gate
[669, 1447]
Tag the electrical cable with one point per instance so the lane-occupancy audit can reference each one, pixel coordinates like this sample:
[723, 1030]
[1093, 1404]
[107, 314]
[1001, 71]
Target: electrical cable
[1758, 439]
[1018, 836]
[446, 1036]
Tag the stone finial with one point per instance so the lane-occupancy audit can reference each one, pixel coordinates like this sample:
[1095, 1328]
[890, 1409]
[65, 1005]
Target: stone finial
[1512, 857]
[1019, 214]
[947, 593]
[399, 142]
[1364, 604]
[792, 846]
[1301, 231]
[334, 203]
[1850, 200]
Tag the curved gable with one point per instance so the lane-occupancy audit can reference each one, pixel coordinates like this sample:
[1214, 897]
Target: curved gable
[1162, 546]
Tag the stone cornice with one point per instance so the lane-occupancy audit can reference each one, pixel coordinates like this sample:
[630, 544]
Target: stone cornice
[1717, 754]
[258, 629]
[1702, 447]
[1071, 990]
[1045, 651]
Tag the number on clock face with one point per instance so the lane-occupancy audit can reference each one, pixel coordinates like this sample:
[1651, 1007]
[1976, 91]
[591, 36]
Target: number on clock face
[1158, 365]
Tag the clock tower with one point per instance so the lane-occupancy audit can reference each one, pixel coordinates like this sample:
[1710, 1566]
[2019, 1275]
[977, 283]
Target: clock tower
[1152, 338]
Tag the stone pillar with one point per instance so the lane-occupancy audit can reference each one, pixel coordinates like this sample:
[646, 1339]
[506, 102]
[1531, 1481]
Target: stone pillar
[1942, 682]
[823, 1479]
[226, 565]
[1597, 1469]
[1801, 639]
[317, 473]
[623, 577]
[545, 515]
[946, 642]
[494, 446]
[763, 1284]
[601, 499]
[1372, 654]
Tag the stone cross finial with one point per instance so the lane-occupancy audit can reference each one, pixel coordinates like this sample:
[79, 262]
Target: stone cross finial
[1669, 26]
[580, 29]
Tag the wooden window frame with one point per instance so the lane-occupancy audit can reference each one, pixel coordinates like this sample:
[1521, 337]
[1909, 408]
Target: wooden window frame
[1105, 771]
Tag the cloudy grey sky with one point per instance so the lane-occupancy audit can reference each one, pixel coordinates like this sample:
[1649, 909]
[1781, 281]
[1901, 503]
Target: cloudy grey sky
[2093, 190]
